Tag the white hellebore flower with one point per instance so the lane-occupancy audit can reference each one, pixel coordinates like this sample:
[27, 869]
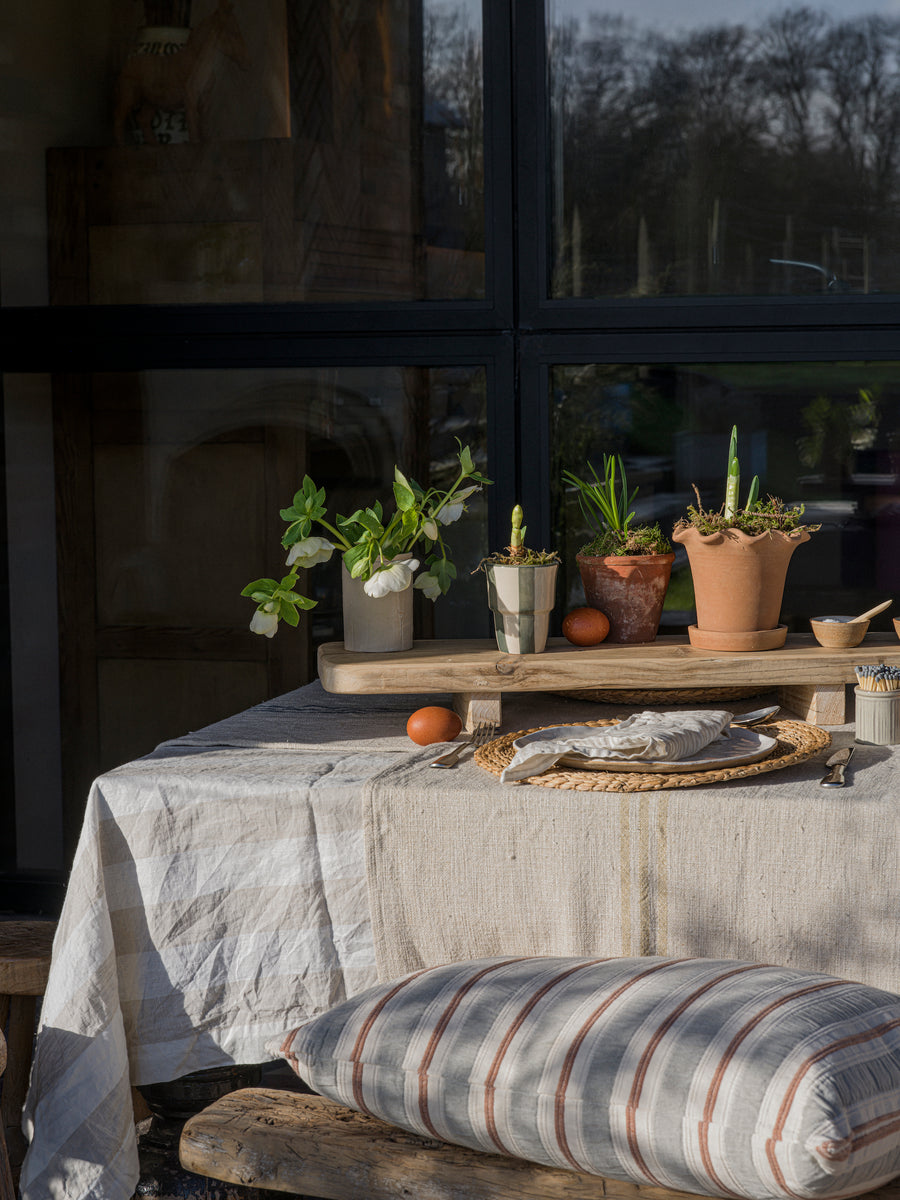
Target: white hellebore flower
[454, 510]
[310, 551]
[265, 621]
[429, 585]
[395, 577]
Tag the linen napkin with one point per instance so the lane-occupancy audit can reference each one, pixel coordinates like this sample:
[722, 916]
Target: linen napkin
[646, 736]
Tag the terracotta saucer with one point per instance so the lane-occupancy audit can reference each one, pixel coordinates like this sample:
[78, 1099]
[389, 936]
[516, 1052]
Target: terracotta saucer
[756, 639]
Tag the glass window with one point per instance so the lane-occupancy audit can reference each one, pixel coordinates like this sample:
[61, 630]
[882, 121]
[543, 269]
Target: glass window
[823, 435]
[205, 151]
[169, 487]
[738, 149]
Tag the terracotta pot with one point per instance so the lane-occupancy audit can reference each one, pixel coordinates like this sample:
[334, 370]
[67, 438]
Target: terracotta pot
[739, 586]
[376, 625]
[629, 589]
[521, 599]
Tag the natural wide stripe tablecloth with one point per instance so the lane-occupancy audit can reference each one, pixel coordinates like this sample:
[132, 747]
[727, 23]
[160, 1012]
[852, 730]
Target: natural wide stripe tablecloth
[245, 877]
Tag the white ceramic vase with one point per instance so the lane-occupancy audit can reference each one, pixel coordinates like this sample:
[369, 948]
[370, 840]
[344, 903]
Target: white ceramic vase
[521, 599]
[376, 625]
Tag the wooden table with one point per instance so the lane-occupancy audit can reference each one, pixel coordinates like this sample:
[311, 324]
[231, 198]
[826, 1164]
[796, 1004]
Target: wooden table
[810, 679]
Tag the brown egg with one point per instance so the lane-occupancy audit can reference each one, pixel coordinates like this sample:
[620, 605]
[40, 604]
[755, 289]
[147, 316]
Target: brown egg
[433, 724]
[585, 626]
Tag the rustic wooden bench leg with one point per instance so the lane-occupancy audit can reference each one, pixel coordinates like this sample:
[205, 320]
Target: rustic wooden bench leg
[822, 704]
[306, 1145]
[475, 707]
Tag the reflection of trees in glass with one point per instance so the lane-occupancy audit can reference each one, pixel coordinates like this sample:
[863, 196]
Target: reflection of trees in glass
[452, 72]
[686, 163]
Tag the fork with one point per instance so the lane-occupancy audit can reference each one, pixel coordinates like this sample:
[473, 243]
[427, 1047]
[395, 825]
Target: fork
[482, 733]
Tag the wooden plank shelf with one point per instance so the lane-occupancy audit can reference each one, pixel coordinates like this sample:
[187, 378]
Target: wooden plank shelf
[810, 679]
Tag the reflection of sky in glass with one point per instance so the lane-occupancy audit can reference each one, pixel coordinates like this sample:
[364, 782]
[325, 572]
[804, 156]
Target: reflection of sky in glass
[472, 9]
[666, 15]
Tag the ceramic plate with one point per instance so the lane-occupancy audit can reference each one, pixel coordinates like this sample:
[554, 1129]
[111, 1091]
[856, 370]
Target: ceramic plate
[742, 746]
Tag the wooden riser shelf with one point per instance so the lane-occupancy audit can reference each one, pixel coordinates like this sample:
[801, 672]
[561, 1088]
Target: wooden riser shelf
[810, 679]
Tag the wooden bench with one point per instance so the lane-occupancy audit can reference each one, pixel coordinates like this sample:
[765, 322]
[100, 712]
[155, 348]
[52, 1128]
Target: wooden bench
[312, 1147]
[25, 947]
[7, 1191]
[810, 679]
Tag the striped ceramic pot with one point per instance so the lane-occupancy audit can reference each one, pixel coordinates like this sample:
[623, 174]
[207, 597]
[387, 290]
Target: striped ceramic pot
[521, 599]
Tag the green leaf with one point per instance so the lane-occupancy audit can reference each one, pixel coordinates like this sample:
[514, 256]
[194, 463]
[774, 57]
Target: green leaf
[465, 460]
[403, 494]
[263, 587]
[353, 555]
[289, 614]
[296, 532]
[372, 522]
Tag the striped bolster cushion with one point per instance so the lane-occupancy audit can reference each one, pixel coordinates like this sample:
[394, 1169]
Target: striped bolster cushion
[706, 1075]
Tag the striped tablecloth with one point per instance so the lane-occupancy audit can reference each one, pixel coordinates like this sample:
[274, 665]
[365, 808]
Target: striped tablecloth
[220, 895]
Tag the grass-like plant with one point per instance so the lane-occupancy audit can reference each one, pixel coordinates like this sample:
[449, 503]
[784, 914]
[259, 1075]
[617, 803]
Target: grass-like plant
[606, 507]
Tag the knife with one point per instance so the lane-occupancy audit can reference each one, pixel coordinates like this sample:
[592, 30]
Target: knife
[837, 762]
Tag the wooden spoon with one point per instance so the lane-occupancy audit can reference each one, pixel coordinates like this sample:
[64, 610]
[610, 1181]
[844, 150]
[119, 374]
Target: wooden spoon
[871, 612]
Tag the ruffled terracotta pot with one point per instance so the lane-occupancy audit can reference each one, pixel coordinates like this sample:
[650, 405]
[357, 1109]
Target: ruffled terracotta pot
[629, 589]
[739, 586]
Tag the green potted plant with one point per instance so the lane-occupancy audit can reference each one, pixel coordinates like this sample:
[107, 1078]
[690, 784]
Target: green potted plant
[521, 586]
[625, 568]
[378, 563]
[739, 560]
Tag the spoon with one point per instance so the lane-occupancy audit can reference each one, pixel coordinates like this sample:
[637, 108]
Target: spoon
[753, 718]
[871, 612]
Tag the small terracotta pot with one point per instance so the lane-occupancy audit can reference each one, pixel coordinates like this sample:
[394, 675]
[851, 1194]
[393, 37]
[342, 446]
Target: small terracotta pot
[739, 583]
[629, 589]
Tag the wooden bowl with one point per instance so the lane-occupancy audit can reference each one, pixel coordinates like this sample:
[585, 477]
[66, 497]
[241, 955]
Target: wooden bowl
[839, 632]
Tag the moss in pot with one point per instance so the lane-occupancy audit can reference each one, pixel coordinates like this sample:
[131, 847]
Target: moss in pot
[625, 568]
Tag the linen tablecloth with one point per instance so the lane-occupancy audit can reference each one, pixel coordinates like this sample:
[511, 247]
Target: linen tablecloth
[220, 894]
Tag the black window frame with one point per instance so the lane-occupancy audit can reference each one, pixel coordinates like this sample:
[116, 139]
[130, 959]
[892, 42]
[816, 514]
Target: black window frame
[517, 333]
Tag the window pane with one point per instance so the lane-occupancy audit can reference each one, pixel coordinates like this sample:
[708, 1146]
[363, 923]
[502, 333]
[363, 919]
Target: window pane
[822, 434]
[181, 151]
[169, 486]
[740, 149]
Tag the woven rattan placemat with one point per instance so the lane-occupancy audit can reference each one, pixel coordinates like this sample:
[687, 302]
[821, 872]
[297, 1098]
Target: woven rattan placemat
[797, 742]
[662, 696]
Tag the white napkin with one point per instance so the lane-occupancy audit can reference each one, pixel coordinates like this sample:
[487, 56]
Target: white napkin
[648, 736]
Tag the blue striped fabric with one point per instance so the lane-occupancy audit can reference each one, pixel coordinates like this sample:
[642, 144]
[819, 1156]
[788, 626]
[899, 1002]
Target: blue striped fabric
[710, 1076]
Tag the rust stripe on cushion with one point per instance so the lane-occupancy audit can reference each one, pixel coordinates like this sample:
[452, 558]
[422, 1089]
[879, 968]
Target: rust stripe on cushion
[572, 1053]
[439, 1031]
[725, 1061]
[511, 1032]
[856, 1039]
[650, 1049]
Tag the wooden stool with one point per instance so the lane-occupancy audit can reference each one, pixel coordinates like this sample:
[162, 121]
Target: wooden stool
[24, 967]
